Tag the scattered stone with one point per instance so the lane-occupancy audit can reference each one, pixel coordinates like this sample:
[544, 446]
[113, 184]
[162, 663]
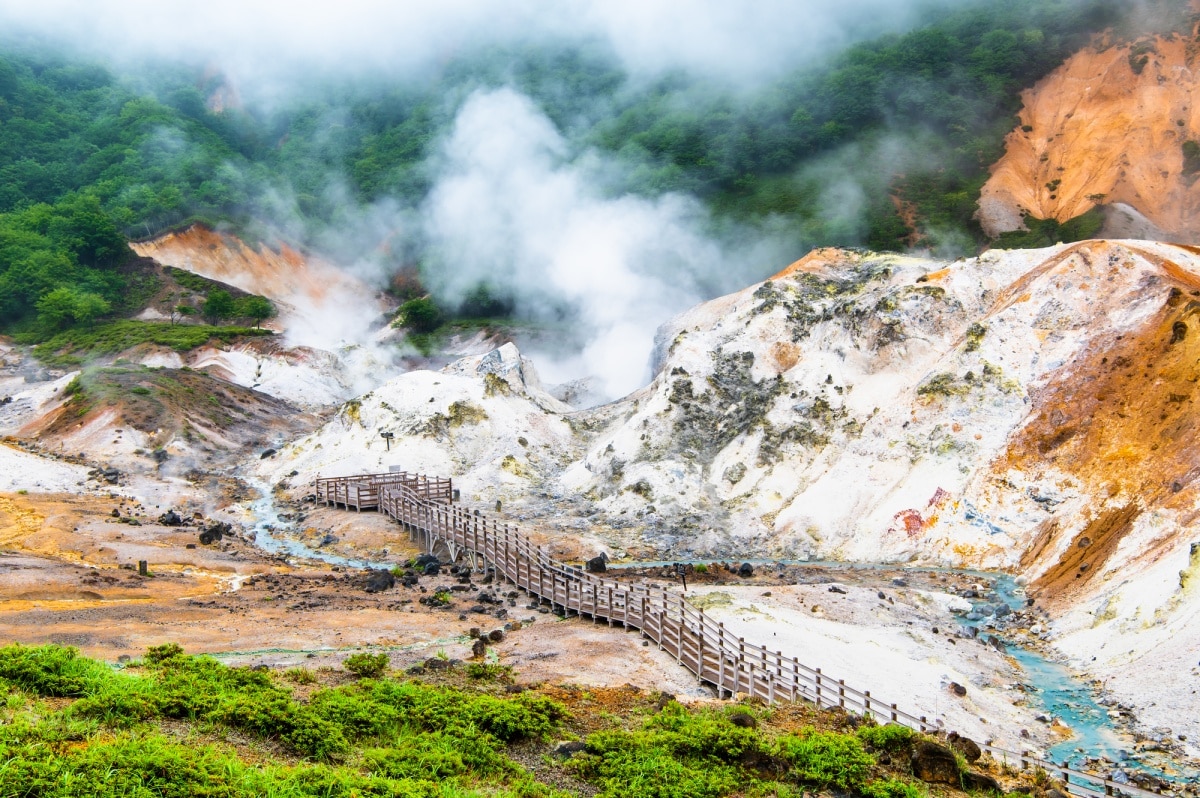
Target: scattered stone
[170, 518]
[266, 454]
[837, 589]
[496, 635]
[743, 719]
[474, 632]
[597, 565]
[958, 689]
[437, 664]
[898, 582]
[432, 569]
[745, 570]
[478, 648]
[115, 513]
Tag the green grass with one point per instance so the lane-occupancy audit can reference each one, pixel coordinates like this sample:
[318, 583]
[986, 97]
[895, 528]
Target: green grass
[180, 725]
[73, 347]
[372, 738]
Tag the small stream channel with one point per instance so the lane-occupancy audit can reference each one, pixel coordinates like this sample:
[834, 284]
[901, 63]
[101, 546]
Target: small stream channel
[1055, 690]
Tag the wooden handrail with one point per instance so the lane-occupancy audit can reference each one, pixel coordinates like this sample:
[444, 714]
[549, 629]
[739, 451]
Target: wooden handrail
[711, 652]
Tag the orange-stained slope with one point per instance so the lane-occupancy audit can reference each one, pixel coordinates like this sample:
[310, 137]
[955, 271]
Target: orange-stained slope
[1098, 131]
[284, 275]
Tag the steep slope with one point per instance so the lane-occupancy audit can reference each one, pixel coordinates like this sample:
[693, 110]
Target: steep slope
[1109, 128]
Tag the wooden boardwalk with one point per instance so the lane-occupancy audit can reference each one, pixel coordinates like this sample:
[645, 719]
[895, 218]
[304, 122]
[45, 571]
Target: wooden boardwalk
[717, 657]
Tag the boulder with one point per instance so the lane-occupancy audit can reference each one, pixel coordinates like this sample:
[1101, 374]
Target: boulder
[981, 783]
[743, 719]
[567, 748]
[935, 763]
[479, 648]
[379, 580]
[170, 518]
[965, 746]
[745, 569]
[597, 565]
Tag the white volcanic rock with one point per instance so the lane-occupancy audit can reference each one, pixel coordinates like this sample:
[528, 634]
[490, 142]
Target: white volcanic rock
[1026, 410]
[483, 420]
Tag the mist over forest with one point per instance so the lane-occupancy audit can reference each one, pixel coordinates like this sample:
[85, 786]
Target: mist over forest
[603, 165]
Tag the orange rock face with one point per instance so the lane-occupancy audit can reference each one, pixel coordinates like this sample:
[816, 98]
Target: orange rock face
[284, 275]
[1099, 131]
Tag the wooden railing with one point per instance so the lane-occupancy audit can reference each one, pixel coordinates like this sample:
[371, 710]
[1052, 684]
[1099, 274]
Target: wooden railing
[705, 647]
[361, 492]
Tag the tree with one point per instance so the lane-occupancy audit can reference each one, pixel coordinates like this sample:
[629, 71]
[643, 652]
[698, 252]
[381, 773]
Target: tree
[217, 305]
[64, 306]
[420, 315]
[256, 308]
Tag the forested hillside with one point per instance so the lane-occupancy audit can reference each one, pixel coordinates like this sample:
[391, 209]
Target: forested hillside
[907, 124]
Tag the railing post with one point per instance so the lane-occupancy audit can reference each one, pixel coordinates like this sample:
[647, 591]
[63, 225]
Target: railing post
[817, 679]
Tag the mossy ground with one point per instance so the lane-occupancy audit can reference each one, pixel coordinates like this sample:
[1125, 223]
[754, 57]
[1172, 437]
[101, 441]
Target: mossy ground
[178, 725]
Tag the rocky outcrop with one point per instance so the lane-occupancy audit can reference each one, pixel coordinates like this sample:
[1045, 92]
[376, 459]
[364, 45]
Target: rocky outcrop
[1110, 127]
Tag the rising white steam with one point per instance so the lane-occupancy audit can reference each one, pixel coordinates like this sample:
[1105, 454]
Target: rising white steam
[511, 210]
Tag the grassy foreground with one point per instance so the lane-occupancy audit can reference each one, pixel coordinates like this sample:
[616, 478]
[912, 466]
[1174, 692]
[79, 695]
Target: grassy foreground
[179, 725]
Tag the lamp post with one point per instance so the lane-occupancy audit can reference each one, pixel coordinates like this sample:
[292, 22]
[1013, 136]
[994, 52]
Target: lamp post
[387, 436]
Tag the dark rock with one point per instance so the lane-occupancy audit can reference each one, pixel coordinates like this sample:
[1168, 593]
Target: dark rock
[935, 763]
[115, 513]
[437, 664]
[266, 454]
[410, 579]
[974, 782]
[215, 532]
[597, 565]
[965, 746]
[568, 748]
[479, 648]
[837, 589]
[379, 580]
[432, 569]
[958, 689]
[743, 719]
[881, 595]
[423, 560]
[745, 569]
[474, 632]
[899, 582]
[190, 546]
[496, 635]
[170, 518]
[479, 608]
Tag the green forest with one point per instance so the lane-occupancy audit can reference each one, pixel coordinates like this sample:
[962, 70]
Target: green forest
[92, 155]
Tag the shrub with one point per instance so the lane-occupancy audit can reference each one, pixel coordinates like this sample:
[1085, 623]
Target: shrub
[419, 315]
[891, 788]
[892, 737]
[826, 759]
[367, 666]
